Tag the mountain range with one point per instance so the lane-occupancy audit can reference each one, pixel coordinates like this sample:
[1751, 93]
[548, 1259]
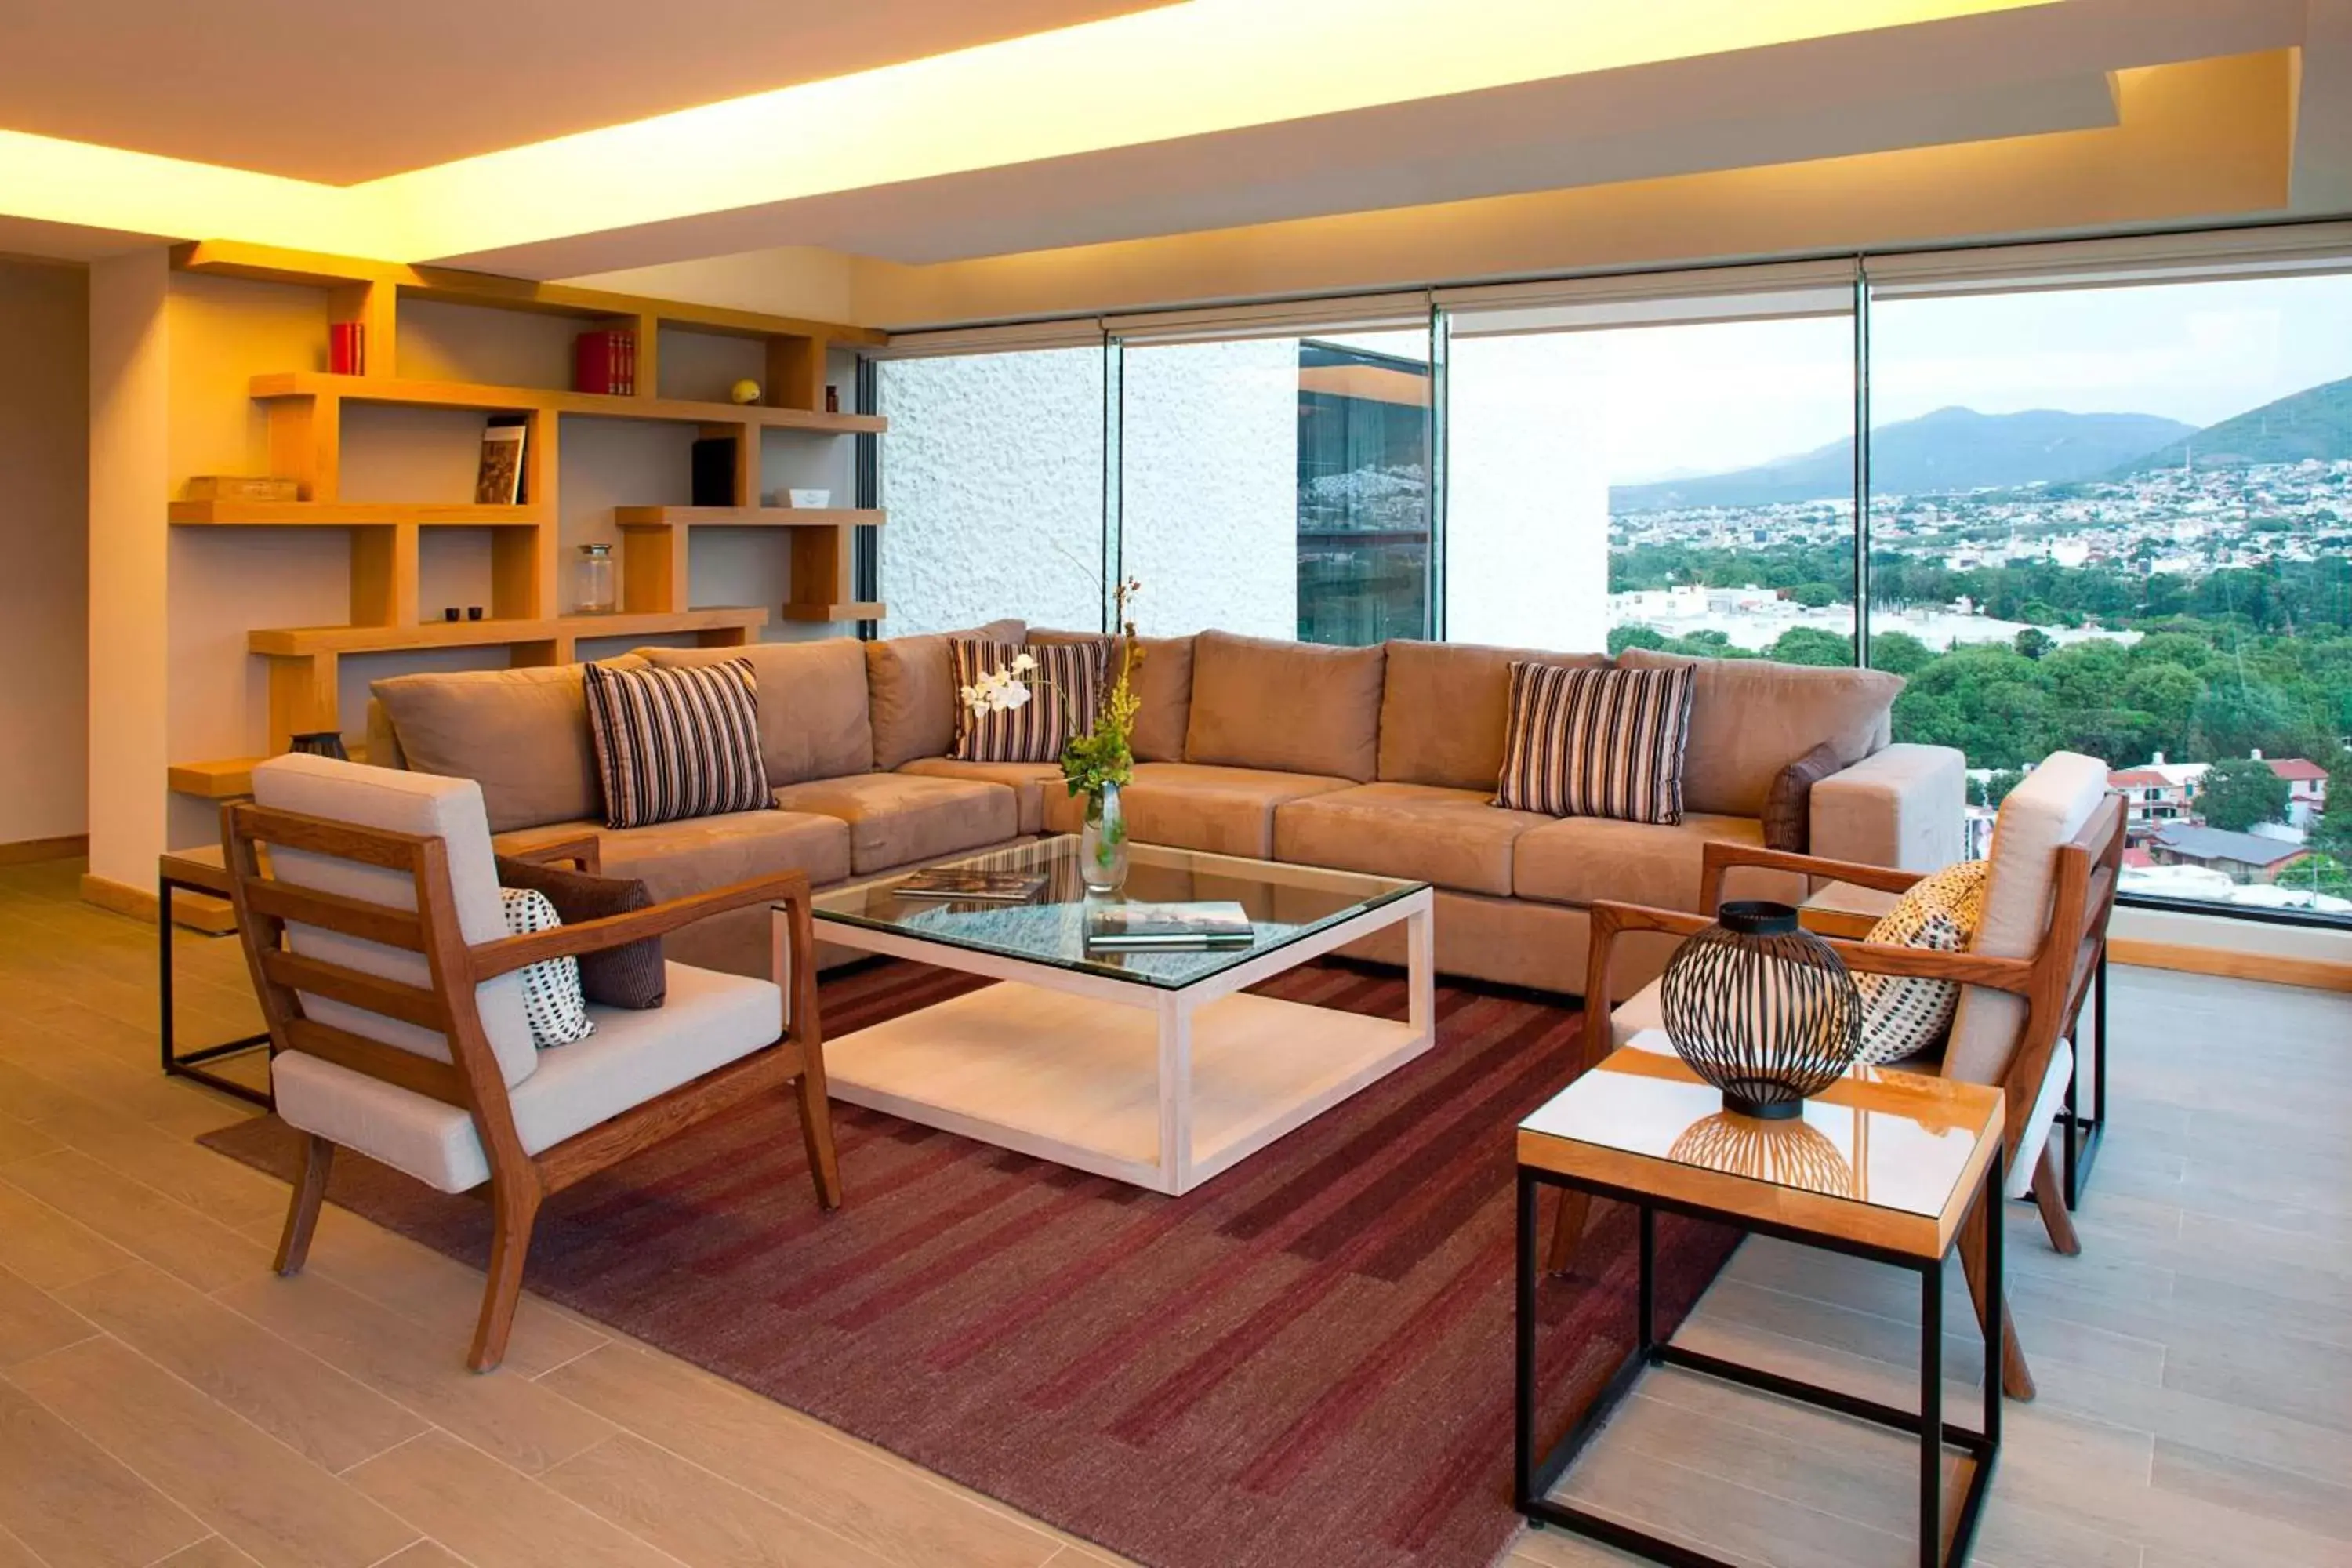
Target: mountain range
[2313, 423]
[1947, 451]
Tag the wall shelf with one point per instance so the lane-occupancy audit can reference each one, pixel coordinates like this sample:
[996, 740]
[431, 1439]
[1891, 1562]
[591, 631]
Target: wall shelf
[550, 400]
[305, 417]
[365, 514]
[861, 611]
[748, 517]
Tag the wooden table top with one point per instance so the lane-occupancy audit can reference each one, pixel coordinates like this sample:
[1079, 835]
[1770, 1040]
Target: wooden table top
[1882, 1158]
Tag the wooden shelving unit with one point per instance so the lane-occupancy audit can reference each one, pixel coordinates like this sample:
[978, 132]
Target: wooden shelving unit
[304, 412]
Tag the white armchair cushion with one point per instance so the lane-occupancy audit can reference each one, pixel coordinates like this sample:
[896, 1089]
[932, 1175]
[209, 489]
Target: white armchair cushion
[445, 808]
[710, 1019]
[2047, 1103]
[2047, 810]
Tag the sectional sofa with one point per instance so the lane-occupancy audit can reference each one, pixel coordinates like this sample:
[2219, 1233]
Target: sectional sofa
[1380, 759]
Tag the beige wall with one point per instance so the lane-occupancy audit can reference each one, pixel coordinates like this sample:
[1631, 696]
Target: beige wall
[129, 459]
[44, 541]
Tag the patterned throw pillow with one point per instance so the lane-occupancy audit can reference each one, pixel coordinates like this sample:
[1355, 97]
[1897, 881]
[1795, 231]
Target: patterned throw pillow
[1903, 1016]
[551, 989]
[1065, 693]
[674, 744]
[1596, 742]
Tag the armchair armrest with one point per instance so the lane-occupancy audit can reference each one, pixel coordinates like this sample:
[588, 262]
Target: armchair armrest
[491, 959]
[1718, 856]
[585, 851]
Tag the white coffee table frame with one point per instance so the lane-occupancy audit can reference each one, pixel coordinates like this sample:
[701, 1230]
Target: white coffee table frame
[1160, 1087]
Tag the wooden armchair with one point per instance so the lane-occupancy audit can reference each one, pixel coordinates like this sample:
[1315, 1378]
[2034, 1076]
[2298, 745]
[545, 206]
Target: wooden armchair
[379, 949]
[2056, 854]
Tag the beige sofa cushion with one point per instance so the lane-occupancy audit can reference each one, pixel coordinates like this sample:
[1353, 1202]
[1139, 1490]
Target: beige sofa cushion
[522, 734]
[1580, 859]
[1163, 692]
[675, 858]
[895, 819]
[1446, 707]
[1032, 783]
[1449, 837]
[1751, 717]
[1299, 708]
[813, 723]
[1226, 811]
[911, 692]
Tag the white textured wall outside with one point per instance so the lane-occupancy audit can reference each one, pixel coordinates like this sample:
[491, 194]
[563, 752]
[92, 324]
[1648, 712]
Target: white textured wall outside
[1526, 516]
[1209, 459]
[993, 475]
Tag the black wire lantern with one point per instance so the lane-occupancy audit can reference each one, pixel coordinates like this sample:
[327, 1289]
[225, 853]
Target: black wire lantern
[1761, 1009]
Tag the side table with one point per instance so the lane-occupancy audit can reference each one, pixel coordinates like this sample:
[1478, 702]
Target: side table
[202, 871]
[1883, 1166]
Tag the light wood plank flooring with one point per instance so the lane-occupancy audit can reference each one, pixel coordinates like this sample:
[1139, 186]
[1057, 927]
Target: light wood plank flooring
[163, 1401]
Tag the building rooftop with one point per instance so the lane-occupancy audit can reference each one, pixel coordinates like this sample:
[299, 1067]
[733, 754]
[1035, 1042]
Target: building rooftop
[2219, 844]
[2297, 770]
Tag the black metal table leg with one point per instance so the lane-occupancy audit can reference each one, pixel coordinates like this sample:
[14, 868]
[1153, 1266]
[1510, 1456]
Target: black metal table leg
[2079, 1133]
[190, 1064]
[1931, 1414]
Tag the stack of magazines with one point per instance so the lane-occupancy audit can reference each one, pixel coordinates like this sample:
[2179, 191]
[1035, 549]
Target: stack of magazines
[1163, 928]
[972, 887]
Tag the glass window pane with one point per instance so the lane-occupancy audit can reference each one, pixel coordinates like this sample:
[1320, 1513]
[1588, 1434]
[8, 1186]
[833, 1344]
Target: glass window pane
[2117, 521]
[1688, 487]
[1278, 487]
[993, 477]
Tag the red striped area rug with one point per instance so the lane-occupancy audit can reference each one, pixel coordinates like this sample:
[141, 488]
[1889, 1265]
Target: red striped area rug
[1306, 1360]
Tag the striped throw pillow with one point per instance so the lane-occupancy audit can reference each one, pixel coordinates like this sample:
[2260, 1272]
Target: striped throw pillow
[1596, 742]
[672, 743]
[1066, 694]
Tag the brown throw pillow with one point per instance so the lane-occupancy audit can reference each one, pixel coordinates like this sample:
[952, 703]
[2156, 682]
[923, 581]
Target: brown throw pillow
[1789, 804]
[630, 976]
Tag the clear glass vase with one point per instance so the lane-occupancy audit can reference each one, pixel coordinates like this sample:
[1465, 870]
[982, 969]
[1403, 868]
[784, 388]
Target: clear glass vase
[596, 595]
[1102, 843]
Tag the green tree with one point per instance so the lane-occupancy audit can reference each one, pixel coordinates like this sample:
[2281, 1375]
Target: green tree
[1810, 644]
[2168, 694]
[1622, 637]
[2331, 833]
[1899, 652]
[2240, 792]
[1996, 789]
[2244, 716]
[2034, 642]
[1814, 595]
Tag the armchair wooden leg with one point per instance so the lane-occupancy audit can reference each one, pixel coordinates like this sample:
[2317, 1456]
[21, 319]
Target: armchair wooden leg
[515, 1204]
[303, 1208]
[2050, 1197]
[2016, 1377]
[817, 1132]
[1566, 1230]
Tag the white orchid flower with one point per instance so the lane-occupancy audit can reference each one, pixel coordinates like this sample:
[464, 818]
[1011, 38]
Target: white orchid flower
[1023, 663]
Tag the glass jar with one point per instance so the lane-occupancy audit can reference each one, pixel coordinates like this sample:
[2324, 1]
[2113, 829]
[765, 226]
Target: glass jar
[596, 580]
[1102, 844]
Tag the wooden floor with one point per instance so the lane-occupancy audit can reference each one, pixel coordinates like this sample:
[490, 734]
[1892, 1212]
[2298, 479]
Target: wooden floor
[163, 1399]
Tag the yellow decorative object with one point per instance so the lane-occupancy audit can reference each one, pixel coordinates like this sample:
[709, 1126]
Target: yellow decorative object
[744, 392]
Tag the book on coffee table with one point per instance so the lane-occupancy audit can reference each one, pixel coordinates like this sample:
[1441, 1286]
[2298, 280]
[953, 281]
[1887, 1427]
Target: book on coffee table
[977, 887]
[1140, 927]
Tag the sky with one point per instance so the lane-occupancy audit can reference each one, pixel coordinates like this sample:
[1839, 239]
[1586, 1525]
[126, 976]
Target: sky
[1704, 399]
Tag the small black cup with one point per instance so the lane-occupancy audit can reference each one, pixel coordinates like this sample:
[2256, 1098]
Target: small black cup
[450, 613]
[473, 612]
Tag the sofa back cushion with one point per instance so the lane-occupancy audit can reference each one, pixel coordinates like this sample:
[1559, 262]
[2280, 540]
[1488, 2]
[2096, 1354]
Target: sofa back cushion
[814, 719]
[1291, 706]
[1163, 691]
[1444, 707]
[522, 734]
[1751, 717]
[910, 685]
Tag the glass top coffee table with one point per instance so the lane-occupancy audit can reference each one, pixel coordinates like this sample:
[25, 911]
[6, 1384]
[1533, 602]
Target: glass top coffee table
[1150, 1068]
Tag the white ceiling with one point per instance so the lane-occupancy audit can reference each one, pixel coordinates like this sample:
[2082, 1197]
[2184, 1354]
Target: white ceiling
[1986, 78]
[345, 90]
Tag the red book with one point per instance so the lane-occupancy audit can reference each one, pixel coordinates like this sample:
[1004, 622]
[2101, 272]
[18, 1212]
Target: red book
[628, 363]
[595, 363]
[347, 348]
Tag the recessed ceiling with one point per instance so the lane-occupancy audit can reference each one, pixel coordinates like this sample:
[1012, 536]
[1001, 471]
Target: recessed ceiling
[343, 90]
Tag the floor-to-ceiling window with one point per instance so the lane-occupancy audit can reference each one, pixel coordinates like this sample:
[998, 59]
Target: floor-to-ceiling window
[1279, 485]
[1671, 467]
[992, 478]
[2117, 519]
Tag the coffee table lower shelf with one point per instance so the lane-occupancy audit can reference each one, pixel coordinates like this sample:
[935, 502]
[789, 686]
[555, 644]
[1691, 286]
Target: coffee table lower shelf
[1079, 1081]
